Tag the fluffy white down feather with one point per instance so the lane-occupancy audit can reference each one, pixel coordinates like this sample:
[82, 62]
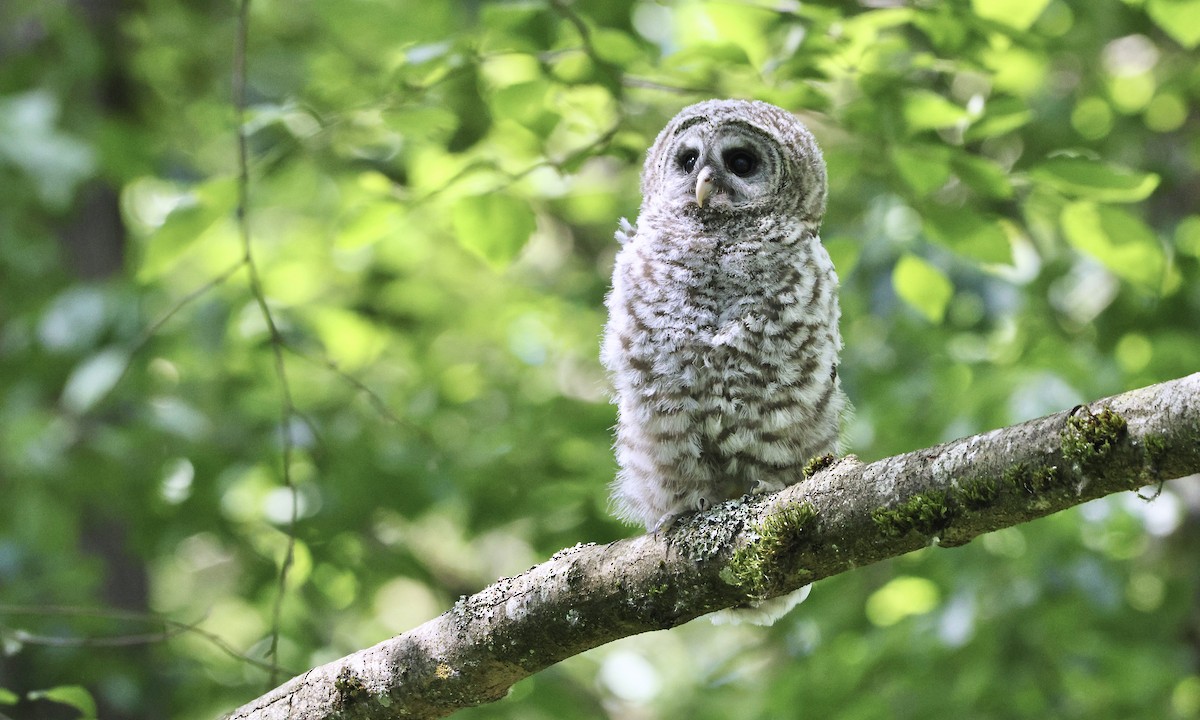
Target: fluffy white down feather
[722, 340]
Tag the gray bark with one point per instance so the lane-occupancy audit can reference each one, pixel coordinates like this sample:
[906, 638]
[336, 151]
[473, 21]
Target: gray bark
[843, 516]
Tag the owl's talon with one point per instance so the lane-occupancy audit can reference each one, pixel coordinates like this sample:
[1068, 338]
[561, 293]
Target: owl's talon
[664, 523]
[763, 487]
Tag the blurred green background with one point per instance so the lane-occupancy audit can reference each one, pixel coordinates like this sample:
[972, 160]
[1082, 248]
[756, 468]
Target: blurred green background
[433, 193]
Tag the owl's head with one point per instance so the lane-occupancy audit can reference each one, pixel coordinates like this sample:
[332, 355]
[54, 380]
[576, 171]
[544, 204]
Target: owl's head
[735, 157]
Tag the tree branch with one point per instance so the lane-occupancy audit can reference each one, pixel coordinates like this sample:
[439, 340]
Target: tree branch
[844, 516]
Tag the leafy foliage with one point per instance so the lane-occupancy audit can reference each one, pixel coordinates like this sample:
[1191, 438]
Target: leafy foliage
[432, 195]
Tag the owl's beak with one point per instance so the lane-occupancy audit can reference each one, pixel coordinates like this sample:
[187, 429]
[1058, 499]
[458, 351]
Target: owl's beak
[705, 184]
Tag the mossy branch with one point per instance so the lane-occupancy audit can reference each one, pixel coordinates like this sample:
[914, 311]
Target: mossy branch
[845, 515]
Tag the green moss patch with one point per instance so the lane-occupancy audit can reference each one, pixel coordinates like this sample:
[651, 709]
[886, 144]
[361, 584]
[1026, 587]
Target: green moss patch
[977, 493]
[1089, 438]
[926, 513]
[765, 563]
[1033, 480]
[817, 464]
[350, 688]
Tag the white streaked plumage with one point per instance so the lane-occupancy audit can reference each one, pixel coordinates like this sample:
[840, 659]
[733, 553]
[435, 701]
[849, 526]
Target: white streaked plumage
[722, 339]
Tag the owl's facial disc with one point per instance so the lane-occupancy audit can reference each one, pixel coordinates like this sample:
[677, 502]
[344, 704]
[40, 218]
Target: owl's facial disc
[722, 169]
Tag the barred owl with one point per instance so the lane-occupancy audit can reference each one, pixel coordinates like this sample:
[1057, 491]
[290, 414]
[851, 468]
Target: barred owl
[722, 339]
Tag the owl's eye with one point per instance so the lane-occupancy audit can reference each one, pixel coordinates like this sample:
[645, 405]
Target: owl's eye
[687, 160]
[741, 162]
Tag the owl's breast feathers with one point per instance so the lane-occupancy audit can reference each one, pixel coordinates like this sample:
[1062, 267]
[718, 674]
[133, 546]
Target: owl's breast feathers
[722, 319]
[710, 288]
[722, 337]
[722, 354]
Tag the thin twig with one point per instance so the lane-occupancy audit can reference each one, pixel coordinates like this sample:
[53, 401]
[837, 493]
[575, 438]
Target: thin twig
[375, 399]
[28, 638]
[171, 628]
[648, 84]
[186, 300]
[287, 407]
[585, 33]
[152, 329]
[592, 148]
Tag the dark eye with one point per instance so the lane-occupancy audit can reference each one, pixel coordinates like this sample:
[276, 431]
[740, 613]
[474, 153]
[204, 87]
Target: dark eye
[741, 162]
[687, 160]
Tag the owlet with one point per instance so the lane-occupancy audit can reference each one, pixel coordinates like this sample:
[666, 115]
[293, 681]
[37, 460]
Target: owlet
[722, 339]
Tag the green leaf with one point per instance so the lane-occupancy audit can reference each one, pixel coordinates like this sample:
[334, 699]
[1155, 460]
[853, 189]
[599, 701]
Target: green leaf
[1187, 235]
[744, 25]
[969, 234]
[198, 211]
[901, 597]
[349, 339]
[927, 110]
[869, 23]
[1094, 180]
[525, 103]
[983, 175]
[495, 227]
[93, 378]
[922, 286]
[369, 224]
[1179, 19]
[924, 168]
[1041, 209]
[1002, 112]
[945, 29]
[463, 96]
[706, 59]
[516, 26]
[999, 118]
[1121, 241]
[1018, 14]
[8, 697]
[74, 695]
[616, 46]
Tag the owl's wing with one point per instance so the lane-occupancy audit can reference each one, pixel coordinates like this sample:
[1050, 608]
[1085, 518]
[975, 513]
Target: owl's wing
[625, 231]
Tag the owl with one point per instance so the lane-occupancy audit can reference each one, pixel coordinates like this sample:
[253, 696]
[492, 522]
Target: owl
[722, 339]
